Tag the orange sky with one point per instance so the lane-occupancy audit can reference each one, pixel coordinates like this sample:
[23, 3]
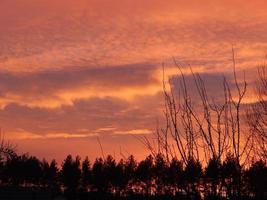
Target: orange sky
[75, 70]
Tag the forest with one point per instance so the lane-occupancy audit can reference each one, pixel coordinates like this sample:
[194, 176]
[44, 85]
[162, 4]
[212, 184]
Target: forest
[151, 178]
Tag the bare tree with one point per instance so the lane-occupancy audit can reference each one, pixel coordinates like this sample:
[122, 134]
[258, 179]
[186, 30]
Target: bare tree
[202, 123]
[257, 114]
[7, 149]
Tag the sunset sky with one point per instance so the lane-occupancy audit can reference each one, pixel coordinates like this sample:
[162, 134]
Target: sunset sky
[75, 70]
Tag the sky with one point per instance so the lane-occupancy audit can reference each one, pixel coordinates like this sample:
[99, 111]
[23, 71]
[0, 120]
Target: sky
[75, 72]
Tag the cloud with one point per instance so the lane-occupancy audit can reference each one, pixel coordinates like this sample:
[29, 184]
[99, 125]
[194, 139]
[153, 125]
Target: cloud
[74, 69]
[24, 135]
[104, 33]
[96, 116]
[52, 89]
[134, 132]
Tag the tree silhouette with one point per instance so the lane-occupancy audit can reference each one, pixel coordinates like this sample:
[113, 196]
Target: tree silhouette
[150, 178]
[130, 173]
[160, 174]
[231, 176]
[192, 175]
[50, 176]
[257, 179]
[13, 171]
[110, 173]
[32, 170]
[7, 150]
[175, 175]
[71, 175]
[120, 181]
[98, 176]
[213, 178]
[86, 174]
[257, 115]
[144, 174]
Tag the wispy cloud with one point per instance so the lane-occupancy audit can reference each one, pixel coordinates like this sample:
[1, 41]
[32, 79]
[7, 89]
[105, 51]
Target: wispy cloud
[134, 132]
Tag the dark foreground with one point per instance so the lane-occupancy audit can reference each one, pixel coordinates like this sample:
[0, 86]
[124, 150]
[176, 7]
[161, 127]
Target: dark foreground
[26, 177]
[33, 193]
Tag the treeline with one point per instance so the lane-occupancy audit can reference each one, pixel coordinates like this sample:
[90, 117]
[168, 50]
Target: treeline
[152, 178]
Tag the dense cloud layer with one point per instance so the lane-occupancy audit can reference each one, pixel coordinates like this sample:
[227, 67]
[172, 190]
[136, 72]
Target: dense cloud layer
[79, 69]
